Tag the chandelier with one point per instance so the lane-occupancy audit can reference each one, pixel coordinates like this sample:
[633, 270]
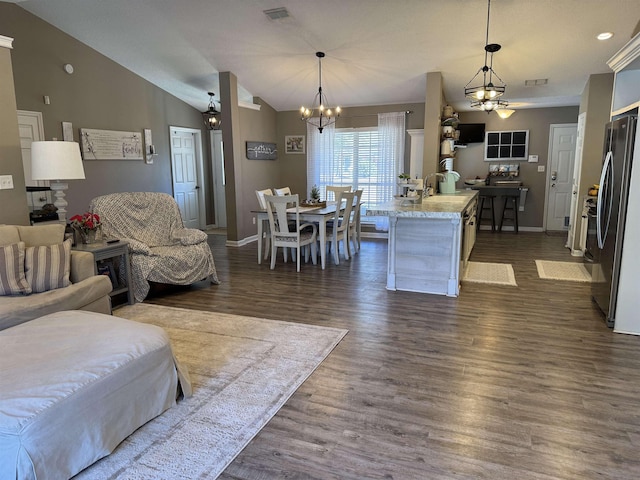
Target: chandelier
[486, 96]
[326, 116]
[210, 115]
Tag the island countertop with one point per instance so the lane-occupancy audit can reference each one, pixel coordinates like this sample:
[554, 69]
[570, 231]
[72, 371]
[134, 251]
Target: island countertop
[437, 206]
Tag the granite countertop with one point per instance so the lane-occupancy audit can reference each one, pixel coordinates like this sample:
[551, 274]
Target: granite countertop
[438, 206]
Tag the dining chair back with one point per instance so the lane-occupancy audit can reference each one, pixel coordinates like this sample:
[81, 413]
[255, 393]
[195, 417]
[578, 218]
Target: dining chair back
[287, 234]
[282, 191]
[332, 190]
[354, 224]
[338, 231]
[266, 232]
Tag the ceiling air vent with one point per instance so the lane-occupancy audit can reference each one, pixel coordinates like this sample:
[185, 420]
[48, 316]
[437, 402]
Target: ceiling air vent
[276, 13]
[536, 83]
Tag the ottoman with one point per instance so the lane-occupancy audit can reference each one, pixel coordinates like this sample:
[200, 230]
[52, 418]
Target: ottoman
[74, 384]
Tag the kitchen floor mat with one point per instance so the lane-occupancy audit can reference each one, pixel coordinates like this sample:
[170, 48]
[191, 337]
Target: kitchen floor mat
[570, 271]
[495, 273]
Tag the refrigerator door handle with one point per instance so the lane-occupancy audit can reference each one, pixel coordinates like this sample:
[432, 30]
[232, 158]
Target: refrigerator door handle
[604, 177]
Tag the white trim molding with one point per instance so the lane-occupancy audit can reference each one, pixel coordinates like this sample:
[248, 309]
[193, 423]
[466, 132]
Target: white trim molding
[626, 55]
[6, 42]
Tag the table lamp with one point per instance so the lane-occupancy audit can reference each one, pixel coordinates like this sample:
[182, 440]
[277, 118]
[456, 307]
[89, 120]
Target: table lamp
[57, 161]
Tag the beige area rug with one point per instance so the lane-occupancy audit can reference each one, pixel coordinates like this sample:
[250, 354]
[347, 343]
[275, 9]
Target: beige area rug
[243, 370]
[572, 271]
[494, 273]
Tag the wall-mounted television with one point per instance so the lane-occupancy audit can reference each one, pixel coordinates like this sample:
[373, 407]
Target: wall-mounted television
[471, 133]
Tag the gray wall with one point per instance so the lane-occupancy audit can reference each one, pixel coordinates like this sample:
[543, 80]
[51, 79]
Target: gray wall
[99, 94]
[14, 201]
[470, 161]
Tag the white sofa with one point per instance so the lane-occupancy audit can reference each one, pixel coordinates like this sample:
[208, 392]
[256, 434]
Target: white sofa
[86, 291]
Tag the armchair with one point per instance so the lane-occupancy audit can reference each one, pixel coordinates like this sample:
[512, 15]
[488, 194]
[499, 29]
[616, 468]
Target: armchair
[161, 249]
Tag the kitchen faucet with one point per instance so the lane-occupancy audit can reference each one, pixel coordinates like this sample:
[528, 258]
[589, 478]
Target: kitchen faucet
[435, 174]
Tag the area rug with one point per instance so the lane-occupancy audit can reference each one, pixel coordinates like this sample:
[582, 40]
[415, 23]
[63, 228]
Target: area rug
[572, 271]
[494, 273]
[243, 369]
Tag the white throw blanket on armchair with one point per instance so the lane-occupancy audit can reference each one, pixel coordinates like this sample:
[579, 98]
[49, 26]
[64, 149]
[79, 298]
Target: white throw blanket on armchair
[161, 249]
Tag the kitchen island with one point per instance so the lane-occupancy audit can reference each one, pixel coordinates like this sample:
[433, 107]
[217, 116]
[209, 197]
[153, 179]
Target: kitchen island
[429, 242]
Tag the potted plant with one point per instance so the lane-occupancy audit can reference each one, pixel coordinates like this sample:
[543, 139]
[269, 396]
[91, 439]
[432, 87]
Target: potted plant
[404, 177]
[315, 194]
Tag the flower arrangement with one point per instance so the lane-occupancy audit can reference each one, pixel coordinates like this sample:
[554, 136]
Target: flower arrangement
[86, 221]
[87, 225]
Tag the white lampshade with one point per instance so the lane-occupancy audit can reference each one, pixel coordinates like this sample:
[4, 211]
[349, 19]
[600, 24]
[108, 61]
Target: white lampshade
[56, 161]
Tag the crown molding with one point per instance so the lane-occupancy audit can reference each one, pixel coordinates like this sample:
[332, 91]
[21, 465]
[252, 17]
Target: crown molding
[6, 42]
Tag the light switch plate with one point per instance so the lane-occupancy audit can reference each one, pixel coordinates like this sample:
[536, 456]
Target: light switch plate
[541, 168]
[6, 182]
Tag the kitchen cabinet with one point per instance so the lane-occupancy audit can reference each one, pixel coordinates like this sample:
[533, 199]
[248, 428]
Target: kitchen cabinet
[429, 242]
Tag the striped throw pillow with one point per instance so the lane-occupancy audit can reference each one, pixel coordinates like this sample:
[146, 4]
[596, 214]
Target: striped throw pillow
[47, 267]
[12, 277]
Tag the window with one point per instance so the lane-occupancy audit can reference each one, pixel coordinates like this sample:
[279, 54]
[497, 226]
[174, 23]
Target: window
[357, 163]
[507, 145]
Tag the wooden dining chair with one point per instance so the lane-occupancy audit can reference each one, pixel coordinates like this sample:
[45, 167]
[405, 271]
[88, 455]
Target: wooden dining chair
[338, 230]
[282, 191]
[354, 224]
[335, 189]
[286, 235]
[266, 232]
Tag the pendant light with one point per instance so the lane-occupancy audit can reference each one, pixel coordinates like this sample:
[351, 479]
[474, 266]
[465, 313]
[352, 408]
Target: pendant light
[486, 96]
[210, 116]
[325, 115]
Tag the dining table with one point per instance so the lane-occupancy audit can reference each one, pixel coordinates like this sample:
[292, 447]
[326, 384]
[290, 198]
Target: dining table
[319, 215]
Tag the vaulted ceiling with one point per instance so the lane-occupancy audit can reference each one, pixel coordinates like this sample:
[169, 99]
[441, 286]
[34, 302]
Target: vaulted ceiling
[377, 51]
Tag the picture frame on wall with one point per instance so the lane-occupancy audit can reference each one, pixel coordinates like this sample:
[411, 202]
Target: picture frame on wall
[294, 144]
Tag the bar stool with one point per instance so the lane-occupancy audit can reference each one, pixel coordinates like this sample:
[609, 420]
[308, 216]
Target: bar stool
[510, 205]
[489, 207]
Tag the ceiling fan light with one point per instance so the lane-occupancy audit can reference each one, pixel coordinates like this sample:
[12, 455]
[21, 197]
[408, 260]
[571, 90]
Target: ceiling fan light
[505, 112]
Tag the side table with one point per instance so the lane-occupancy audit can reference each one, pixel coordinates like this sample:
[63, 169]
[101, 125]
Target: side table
[105, 255]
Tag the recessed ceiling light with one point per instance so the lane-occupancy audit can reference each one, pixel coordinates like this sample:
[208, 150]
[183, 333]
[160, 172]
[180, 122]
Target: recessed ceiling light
[605, 36]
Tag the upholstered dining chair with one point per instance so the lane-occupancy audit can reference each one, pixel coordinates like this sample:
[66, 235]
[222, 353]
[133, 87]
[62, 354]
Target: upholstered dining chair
[267, 233]
[338, 231]
[354, 224]
[334, 189]
[285, 234]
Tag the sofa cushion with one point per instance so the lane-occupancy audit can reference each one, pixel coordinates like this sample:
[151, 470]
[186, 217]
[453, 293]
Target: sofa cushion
[12, 276]
[47, 266]
[9, 234]
[41, 234]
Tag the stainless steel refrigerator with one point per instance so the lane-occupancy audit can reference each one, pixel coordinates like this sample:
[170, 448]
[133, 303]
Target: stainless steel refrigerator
[611, 213]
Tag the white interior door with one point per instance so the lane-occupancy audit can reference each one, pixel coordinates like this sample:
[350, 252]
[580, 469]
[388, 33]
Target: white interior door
[562, 152]
[186, 168]
[217, 168]
[31, 129]
[574, 223]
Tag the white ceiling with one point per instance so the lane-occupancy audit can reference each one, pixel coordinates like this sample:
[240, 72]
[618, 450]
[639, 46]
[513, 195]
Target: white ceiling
[377, 51]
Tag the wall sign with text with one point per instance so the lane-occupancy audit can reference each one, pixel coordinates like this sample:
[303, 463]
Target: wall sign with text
[262, 151]
[110, 145]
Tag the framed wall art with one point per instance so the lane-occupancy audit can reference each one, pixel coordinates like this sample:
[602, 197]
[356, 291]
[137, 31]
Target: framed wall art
[294, 144]
[110, 145]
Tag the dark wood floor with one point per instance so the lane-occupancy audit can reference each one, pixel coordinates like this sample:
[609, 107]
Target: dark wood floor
[521, 382]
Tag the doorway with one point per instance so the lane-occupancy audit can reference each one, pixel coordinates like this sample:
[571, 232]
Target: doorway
[562, 152]
[186, 170]
[31, 128]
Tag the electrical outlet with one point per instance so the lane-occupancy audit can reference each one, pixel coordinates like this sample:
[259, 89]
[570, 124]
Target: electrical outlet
[540, 168]
[6, 182]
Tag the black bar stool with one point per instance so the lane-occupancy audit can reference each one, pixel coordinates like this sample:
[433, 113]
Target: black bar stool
[490, 206]
[510, 205]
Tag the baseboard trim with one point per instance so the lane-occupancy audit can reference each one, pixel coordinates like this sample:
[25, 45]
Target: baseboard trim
[243, 242]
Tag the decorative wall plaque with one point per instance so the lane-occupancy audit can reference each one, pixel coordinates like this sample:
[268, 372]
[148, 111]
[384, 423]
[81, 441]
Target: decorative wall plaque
[262, 151]
[110, 145]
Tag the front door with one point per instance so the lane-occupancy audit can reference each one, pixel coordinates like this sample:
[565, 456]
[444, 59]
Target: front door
[186, 188]
[562, 140]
